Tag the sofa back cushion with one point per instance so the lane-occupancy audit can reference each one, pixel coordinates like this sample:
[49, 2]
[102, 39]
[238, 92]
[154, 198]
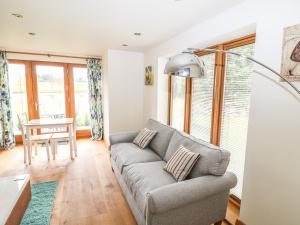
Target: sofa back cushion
[161, 140]
[213, 160]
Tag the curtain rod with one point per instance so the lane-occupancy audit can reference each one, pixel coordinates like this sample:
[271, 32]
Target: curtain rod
[51, 55]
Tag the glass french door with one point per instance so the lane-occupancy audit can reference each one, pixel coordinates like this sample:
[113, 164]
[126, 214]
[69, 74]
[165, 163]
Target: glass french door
[50, 85]
[49, 90]
[50, 96]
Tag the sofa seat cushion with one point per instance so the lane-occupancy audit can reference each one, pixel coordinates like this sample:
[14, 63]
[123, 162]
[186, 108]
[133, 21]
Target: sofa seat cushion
[141, 178]
[125, 154]
[213, 160]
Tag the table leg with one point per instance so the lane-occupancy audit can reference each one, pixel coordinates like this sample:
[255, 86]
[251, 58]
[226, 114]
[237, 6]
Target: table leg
[25, 151]
[35, 144]
[28, 142]
[74, 140]
[70, 128]
[47, 149]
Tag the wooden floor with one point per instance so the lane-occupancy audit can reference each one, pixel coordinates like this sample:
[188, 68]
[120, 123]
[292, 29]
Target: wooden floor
[87, 193]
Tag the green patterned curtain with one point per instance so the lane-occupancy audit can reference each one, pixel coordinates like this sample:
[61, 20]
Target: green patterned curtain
[7, 139]
[95, 97]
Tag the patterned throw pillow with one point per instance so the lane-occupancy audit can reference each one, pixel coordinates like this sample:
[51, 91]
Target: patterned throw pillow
[181, 163]
[144, 137]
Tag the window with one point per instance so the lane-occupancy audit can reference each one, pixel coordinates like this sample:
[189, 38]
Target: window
[218, 107]
[17, 86]
[178, 102]
[82, 108]
[202, 100]
[235, 113]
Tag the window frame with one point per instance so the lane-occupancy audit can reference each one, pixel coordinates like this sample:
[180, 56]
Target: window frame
[218, 89]
[32, 92]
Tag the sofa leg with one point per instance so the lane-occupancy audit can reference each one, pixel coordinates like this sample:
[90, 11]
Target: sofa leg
[218, 223]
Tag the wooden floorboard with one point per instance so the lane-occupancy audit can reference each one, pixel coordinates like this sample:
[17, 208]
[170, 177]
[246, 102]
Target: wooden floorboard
[87, 192]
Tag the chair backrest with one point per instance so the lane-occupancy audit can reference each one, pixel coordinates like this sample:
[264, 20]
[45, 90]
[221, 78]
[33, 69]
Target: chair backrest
[59, 129]
[22, 118]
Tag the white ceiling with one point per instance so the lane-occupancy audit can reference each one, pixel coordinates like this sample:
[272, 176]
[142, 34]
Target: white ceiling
[88, 27]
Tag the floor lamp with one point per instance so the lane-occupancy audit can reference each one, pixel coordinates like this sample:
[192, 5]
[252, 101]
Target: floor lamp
[189, 65]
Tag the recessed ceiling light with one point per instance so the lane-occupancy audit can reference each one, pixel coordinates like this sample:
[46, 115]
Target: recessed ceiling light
[137, 34]
[31, 33]
[17, 15]
[125, 45]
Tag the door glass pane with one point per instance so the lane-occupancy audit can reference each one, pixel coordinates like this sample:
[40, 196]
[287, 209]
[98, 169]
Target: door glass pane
[82, 107]
[51, 91]
[178, 102]
[18, 96]
[202, 99]
[235, 113]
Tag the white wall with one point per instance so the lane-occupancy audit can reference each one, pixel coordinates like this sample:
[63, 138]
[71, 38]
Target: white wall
[272, 181]
[205, 34]
[123, 93]
[271, 193]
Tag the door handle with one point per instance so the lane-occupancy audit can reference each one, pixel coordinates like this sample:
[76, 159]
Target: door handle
[36, 106]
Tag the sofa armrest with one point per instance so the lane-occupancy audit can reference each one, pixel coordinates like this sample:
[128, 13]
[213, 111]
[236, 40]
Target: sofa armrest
[182, 193]
[122, 137]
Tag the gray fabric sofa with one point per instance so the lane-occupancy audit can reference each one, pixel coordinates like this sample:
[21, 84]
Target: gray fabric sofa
[154, 196]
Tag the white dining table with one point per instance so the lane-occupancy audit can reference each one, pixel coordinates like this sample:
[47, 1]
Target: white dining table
[35, 124]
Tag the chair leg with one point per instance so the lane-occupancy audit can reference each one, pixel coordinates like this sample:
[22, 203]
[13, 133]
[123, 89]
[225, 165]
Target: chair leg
[53, 149]
[71, 149]
[70, 128]
[47, 149]
[35, 148]
[219, 223]
[75, 145]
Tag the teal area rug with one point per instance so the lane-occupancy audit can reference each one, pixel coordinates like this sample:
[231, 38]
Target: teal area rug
[40, 206]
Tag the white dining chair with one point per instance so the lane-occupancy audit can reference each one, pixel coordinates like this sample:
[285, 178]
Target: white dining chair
[34, 139]
[63, 136]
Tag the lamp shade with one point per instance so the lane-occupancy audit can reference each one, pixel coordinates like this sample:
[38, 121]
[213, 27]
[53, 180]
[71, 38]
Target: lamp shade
[185, 65]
